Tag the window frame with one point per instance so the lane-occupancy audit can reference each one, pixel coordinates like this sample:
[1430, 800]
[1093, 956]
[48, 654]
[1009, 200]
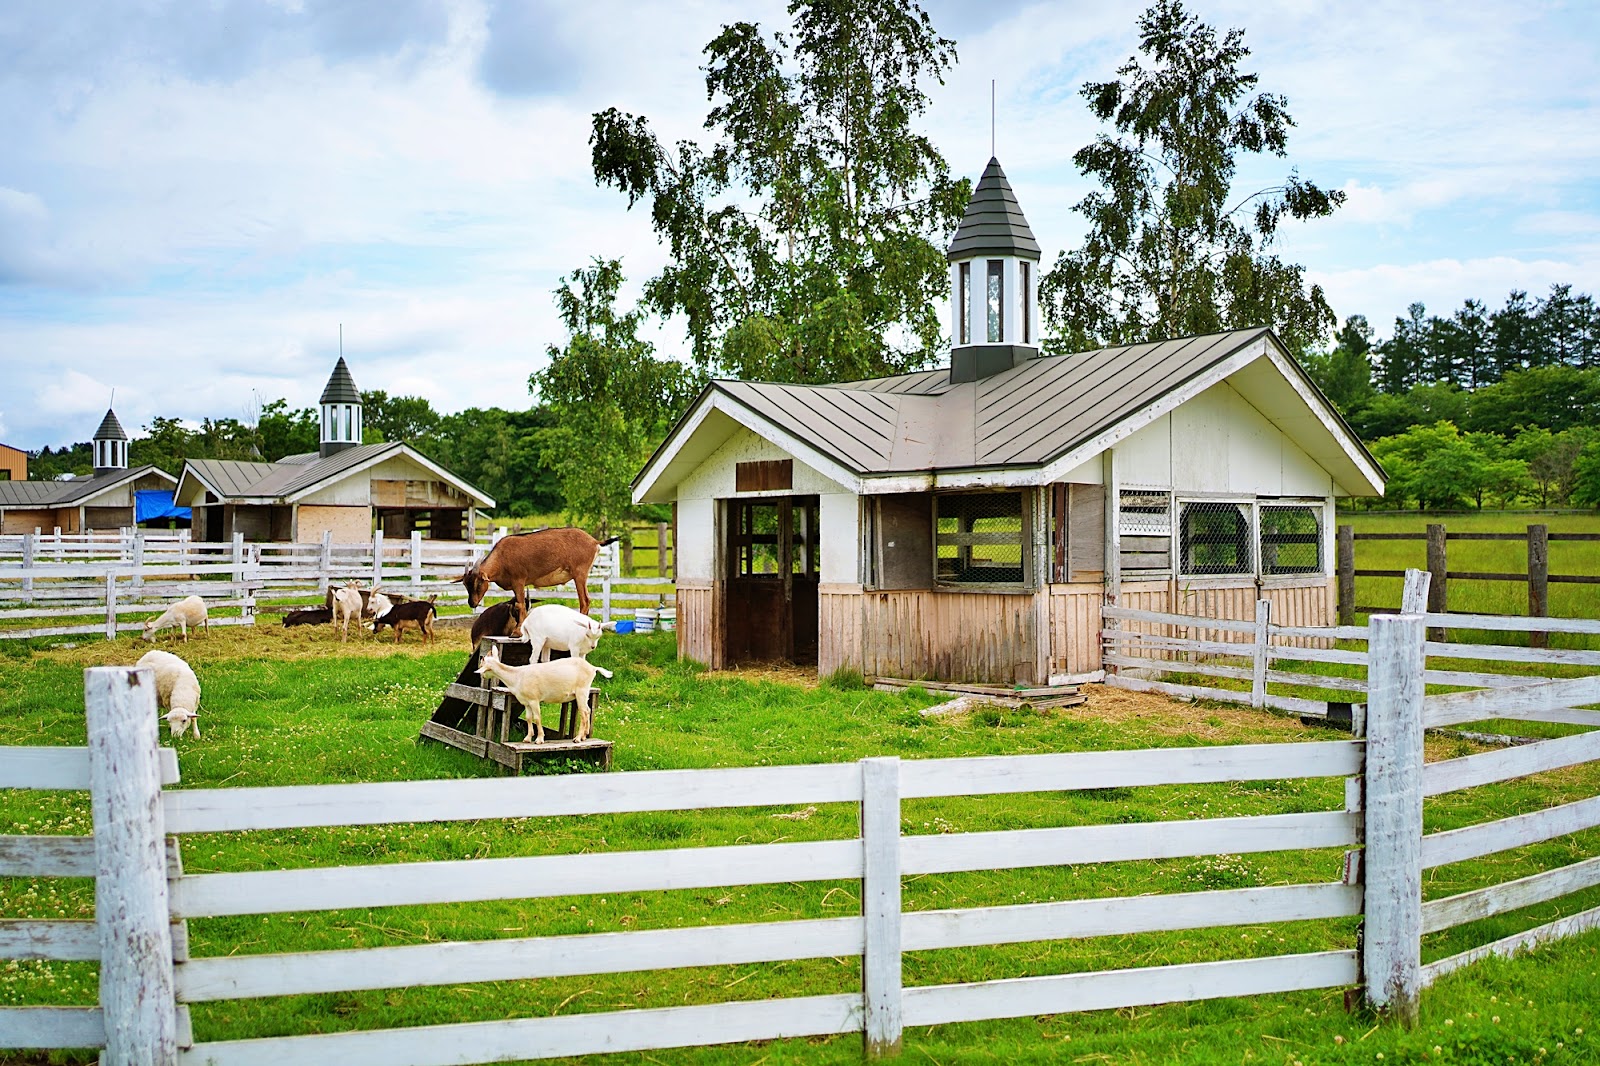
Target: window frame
[964, 302]
[1028, 510]
[994, 301]
[1251, 509]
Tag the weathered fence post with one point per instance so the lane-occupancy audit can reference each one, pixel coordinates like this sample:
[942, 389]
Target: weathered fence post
[1414, 593]
[1438, 570]
[1347, 575]
[627, 554]
[111, 605]
[377, 557]
[1538, 581]
[130, 888]
[325, 562]
[1259, 661]
[416, 562]
[27, 564]
[663, 548]
[880, 904]
[238, 557]
[1391, 943]
[138, 559]
[58, 544]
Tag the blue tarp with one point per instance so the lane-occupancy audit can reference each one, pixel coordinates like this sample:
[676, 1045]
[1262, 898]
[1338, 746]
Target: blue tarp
[149, 504]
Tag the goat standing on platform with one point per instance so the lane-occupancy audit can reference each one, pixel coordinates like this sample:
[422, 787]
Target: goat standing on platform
[553, 682]
[542, 558]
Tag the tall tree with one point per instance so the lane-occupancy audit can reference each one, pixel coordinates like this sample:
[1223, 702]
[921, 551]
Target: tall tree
[403, 418]
[1345, 373]
[1170, 251]
[1403, 358]
[802, 244]
[610, 397]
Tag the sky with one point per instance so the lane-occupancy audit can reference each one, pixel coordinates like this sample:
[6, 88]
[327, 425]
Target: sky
[195, 197]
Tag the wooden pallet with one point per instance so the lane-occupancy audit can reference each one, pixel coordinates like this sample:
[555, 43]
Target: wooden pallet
[1036, 696]
[480, 717]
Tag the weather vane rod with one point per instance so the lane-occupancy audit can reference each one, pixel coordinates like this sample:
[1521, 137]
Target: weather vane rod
[991, 118]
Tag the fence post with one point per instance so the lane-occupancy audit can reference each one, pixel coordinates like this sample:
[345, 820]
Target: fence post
[325, 562]
[662, 549]
[627, 554]
[377, 557]
[1391, 943]
[27, 564]
[238, 557]
[1347, 575]
[138, 558]
[1258, 662]
[58, 544]
[130, 888]
[416, 562]
[1414, 594]
[880, 904]
[1538, 581]
[1438, 570]
[111, 605]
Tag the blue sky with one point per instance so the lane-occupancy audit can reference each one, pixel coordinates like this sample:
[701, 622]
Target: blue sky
[193, 197]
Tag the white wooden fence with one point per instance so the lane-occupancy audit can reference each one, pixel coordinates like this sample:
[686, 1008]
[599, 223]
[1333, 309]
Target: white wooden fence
[50, 580]
[150, 977]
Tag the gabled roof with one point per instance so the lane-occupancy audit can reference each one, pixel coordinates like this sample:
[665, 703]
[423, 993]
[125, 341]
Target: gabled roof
[993, 223]
[341, 387]
[110, 428]
[70, 492]
[292, 477]
[1030, 424]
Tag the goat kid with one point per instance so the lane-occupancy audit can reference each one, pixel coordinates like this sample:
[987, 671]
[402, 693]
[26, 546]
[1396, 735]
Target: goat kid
[402, 616]
[347, 603]
[553, 682]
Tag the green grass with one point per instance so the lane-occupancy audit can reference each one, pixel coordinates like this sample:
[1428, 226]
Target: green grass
[293, 707]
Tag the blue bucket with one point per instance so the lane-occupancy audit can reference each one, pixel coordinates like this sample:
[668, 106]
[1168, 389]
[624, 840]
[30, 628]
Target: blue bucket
[625, 626]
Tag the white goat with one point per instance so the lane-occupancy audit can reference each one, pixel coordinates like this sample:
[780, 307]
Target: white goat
[557, 627]
[189, 611]
[346, 605]
[553, 682]
[176, 689]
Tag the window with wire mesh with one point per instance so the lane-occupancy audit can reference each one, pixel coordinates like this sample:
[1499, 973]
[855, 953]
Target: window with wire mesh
[1144, 529]
[979, 538]
[1214, 537]
[1291, 539]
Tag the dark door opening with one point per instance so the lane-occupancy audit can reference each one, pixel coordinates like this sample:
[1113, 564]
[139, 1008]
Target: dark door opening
[771, 580]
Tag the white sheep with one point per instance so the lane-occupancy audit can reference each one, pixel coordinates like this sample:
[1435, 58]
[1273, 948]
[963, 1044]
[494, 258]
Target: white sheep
[556, 627]
[189, 611]
[346, 605]
[176, 689]
[553, 682]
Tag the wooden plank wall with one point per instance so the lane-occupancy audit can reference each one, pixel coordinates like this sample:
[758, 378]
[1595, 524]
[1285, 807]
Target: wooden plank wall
[697, 623]
[980, 637]
[1075, 628]
[838, 628]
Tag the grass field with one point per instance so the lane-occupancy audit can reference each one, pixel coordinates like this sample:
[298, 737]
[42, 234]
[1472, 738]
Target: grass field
[1510, 557]
[294, 706]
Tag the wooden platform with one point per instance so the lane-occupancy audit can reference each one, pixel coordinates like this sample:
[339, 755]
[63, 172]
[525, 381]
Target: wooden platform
[1035, 696]
[487, 721]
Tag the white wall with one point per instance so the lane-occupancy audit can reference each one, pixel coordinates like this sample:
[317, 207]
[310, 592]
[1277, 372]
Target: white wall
[1218, 442]
[715, 479]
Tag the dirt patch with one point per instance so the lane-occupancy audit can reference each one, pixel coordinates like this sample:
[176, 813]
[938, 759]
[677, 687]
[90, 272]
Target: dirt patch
[778, 673]
[1170, 717]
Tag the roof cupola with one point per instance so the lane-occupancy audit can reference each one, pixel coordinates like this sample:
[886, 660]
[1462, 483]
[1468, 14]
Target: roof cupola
[110, 446]
[994, 283]
[341, 412]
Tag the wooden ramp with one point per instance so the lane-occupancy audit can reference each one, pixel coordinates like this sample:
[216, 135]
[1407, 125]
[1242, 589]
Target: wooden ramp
[483, 720]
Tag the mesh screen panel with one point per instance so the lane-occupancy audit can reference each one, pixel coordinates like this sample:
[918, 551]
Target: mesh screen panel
[1214, 538]
[1291, 539]
[979, 538]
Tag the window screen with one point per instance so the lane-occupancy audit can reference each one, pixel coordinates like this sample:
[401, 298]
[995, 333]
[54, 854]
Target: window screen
[1291, 539]
[1144, 529]
[979, 538]
[1214, 538]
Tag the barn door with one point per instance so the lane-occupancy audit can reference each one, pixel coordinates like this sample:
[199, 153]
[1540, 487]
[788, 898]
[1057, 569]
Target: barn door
[771, 581]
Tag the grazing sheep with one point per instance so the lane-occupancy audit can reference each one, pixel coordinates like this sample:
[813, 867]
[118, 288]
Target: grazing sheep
[553, 682]
[346, 605]
[557, 627]
[308, 616]
[189, 611]
[176, 689]
[418, 613]
[501, 620]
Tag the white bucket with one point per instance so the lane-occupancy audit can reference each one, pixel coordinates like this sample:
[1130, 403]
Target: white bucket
[644, 620]
[667, 619]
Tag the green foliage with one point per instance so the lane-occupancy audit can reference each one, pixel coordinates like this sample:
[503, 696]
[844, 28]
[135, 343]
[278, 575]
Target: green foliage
[611, 400]
[498, 452]
[803, 244]
[403, 418]
[281, 432]
[1169, 252]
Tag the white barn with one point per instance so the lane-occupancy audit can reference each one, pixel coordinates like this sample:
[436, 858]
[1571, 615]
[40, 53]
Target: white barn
[967, 523]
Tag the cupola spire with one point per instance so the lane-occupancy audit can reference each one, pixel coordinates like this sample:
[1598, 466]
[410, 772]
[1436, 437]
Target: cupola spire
[994, 278]
[341, 412]
[110, 446]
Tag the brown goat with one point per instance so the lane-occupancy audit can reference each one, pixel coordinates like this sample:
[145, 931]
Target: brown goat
[542, 558]
[418, 613]
[501, 620]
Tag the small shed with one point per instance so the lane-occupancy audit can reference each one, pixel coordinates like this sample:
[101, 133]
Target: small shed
[967, 523]
[13, 463]
[104, 499]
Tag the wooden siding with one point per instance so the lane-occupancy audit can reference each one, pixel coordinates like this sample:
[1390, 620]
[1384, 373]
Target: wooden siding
[990, 638]
[697, 623]
[838, 628]
[1075, 628]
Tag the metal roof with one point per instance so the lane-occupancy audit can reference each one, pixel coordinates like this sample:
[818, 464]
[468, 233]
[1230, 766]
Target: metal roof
[110, 428]
[242, 481]
[993, 223]
[65, 493]
[341, 387]
[1023, 418]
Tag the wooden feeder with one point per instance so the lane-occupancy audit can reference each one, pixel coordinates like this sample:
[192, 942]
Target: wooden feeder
[480, 717]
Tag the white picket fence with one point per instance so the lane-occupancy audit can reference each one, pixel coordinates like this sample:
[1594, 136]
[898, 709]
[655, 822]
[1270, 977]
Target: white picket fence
[150, 977]
[47, 581]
